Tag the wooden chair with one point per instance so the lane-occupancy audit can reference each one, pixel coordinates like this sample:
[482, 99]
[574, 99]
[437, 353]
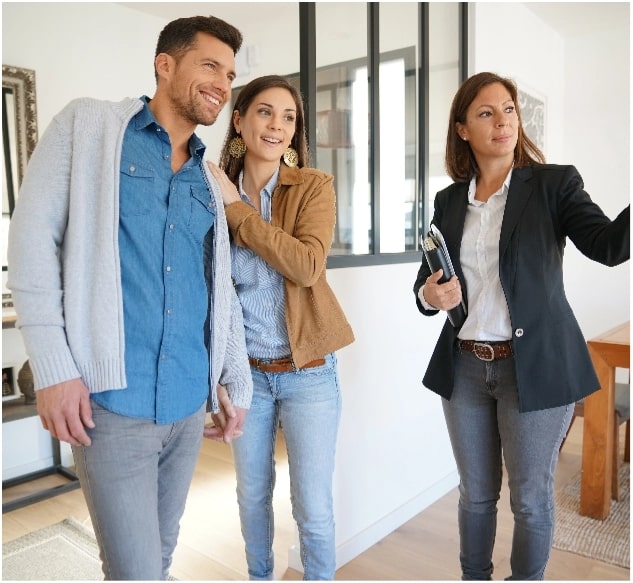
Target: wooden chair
[622, 415]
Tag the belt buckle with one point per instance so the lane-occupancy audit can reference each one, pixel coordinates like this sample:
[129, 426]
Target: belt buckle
[485, 346]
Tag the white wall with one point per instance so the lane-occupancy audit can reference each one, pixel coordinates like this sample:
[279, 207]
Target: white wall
[394, 458]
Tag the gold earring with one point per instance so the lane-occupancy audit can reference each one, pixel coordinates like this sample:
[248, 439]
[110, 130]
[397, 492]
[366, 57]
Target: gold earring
[291, 158]
[237, 147]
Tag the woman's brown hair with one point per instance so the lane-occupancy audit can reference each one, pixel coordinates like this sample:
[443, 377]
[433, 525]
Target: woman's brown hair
[460, 162]
[233, 166]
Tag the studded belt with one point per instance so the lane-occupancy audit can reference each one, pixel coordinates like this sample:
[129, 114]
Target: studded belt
[487, 351]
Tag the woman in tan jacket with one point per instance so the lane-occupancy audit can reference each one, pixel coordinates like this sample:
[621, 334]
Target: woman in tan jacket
[281, 217]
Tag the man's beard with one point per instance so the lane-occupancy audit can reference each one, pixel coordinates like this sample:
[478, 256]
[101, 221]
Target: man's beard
[194, 110]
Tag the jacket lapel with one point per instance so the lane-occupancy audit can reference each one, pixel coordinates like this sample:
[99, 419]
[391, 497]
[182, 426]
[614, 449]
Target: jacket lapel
[518, 196]
[453, 224]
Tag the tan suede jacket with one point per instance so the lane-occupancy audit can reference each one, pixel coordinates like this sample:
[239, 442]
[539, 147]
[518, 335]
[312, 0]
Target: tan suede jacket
[296, 243]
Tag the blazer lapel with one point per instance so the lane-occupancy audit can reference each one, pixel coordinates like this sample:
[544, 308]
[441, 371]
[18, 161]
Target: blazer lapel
[453, 224]
[518, 196]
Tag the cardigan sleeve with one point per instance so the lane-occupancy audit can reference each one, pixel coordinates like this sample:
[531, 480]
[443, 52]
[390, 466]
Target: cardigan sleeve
[34, 257]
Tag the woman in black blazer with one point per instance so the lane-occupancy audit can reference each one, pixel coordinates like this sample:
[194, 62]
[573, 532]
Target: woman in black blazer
[509, 376]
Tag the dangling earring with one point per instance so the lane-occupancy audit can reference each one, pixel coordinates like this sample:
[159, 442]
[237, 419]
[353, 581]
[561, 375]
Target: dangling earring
[237, 147]
[291, 158]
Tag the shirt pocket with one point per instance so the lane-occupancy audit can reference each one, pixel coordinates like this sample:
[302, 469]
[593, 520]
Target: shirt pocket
[135, 189]
[201, 213]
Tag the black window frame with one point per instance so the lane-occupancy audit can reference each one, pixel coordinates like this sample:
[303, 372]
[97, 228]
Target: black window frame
[307, 83]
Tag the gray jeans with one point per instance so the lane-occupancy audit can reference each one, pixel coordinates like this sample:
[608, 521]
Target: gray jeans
[484, 423]
[135, 477]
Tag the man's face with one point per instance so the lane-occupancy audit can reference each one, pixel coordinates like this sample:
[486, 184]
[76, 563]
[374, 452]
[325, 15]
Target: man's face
[201, 81]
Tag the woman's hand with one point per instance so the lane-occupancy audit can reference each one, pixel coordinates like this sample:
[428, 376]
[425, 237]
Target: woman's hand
[227, 188]
[443, 296]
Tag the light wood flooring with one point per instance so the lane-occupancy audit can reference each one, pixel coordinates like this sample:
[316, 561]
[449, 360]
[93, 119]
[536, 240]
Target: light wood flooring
[210, 545]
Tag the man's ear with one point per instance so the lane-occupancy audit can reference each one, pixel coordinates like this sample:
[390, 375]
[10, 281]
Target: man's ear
[165, 65]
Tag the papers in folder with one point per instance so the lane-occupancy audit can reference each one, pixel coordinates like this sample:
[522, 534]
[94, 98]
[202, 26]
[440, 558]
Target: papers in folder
[438, 257]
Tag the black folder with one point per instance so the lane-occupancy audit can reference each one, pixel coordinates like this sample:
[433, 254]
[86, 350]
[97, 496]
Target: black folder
[437, 257]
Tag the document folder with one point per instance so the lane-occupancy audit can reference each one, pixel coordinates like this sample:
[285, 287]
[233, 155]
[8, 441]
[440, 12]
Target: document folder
[437, 257]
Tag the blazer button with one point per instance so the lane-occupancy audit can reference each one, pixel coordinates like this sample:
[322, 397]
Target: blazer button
[518, 332]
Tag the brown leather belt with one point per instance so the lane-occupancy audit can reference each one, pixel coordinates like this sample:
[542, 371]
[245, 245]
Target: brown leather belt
[487, 351]
[281, 364]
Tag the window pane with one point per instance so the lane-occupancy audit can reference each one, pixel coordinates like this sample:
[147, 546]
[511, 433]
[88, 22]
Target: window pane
[342, 119]
[443, 84]
[398, 125]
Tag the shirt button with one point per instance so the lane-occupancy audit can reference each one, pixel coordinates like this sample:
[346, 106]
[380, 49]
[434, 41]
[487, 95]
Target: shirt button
[519, 332]
[169, 312]
[168, 268]
[132, 168]
[165, 157]
[163, 357]
[171, 227]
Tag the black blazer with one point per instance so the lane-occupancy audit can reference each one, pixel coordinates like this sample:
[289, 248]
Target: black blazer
[546, 204]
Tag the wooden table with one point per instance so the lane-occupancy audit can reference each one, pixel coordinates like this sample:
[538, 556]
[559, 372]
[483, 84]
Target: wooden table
[608, 351]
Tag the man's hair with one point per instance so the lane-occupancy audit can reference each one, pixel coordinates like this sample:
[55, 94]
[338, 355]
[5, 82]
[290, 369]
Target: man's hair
[179, 36]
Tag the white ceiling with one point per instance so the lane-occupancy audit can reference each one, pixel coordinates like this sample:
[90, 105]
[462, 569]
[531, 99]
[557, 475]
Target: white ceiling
[577, 18]
[569, 18]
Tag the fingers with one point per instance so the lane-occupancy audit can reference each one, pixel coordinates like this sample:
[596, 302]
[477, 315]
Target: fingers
[435, 277]
[225, 401]
[214, 433]
[444, 296]
[230, 430]
[63, 410]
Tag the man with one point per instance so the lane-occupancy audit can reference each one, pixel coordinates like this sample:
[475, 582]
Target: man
[119, 264]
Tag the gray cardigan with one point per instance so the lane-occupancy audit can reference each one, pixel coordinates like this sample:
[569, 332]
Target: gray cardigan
[63, 258]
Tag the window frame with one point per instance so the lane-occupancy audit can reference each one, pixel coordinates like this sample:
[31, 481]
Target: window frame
[307, 83]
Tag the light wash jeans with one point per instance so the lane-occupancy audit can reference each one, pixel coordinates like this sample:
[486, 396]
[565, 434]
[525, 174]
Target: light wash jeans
[484, 422]
[307, 404]
[135, 477]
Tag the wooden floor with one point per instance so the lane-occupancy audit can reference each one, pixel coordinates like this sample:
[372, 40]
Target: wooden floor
[211, 548]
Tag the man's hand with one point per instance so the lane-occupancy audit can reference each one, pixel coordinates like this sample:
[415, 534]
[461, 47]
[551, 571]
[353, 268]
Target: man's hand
[65, 411]
[228, 422]
[442, 296]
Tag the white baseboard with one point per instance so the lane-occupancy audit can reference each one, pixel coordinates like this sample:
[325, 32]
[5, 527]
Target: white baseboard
[368, 537]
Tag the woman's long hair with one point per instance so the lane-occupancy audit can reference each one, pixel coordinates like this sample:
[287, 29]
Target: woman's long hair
[460, 162]
[233, 166]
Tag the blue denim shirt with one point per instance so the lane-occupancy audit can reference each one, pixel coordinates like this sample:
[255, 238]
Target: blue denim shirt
[261, 291]
[163, 220]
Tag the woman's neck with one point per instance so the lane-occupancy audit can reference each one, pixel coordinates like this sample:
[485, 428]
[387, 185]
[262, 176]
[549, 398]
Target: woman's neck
[491, 178]
[256, 176]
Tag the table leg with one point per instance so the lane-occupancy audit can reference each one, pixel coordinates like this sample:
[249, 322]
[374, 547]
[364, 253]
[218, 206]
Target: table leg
[597, 444]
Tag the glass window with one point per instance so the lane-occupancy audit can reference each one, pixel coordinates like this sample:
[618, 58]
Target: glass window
[342, 129]
[399, 34]
[443, 84]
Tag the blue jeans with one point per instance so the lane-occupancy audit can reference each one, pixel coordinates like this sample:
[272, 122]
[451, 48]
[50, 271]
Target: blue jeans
[484, 423]
[135, 477]
[306, 403]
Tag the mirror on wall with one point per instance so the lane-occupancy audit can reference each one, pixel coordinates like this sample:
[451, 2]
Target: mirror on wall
[19, 136]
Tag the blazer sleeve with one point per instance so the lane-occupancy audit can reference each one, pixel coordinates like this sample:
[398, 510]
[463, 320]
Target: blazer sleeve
[592, 232]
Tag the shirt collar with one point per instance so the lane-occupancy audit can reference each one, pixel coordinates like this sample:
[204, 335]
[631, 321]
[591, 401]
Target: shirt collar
[472, 188]
[270, 185]
[145, 118]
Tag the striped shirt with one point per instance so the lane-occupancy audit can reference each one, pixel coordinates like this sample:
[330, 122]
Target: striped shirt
[261, 290]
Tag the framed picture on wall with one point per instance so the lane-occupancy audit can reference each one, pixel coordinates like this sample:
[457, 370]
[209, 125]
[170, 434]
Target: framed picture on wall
[533, 114]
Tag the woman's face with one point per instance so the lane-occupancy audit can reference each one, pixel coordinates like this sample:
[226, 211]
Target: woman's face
[268, 125]
[492, 124]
